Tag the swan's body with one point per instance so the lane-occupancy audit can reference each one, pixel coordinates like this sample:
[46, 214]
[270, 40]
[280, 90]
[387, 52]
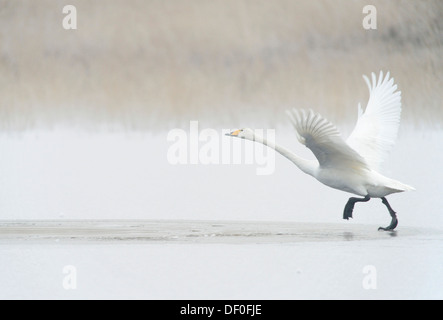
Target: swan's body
[352, 165]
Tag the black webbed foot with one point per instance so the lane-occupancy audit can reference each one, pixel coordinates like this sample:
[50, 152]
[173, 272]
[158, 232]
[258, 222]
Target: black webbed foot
[391, 227]
[394, 221]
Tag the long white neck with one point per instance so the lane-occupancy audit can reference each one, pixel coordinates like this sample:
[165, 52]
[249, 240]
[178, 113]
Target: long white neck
[307, 166]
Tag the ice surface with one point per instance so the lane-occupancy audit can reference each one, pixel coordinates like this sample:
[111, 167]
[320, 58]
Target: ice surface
[193, 232]
[217, 260]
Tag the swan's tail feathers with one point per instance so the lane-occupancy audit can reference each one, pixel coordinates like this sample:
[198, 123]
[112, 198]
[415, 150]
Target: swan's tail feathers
[400, 187]
[408, 188]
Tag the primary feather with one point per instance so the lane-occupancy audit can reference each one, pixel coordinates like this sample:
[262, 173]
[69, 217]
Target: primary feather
[376, 130]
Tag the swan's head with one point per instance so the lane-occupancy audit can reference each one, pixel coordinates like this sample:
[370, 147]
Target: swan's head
[245, 133]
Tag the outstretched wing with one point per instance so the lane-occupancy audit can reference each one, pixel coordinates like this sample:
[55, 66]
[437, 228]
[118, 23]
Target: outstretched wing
[376, 130]
[324, 140]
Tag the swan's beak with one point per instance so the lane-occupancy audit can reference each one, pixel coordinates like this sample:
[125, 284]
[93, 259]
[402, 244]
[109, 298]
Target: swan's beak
[234, 133]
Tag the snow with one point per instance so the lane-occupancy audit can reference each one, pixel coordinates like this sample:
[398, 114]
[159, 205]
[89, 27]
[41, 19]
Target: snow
[135, 226]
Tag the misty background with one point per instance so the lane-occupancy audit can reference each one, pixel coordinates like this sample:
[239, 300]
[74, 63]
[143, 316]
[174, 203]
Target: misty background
[154, 65]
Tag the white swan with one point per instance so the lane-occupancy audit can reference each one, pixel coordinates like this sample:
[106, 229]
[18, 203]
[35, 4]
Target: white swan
[350, 165]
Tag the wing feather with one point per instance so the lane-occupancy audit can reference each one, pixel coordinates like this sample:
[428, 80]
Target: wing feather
[376, 130]
[324, 140]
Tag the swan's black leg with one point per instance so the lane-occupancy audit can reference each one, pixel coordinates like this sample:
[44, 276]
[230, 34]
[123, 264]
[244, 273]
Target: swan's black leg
[347, 213]
[394, 221]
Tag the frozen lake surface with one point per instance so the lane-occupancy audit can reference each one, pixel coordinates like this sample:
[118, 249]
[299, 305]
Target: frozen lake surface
[134, 259]
[182, 231]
